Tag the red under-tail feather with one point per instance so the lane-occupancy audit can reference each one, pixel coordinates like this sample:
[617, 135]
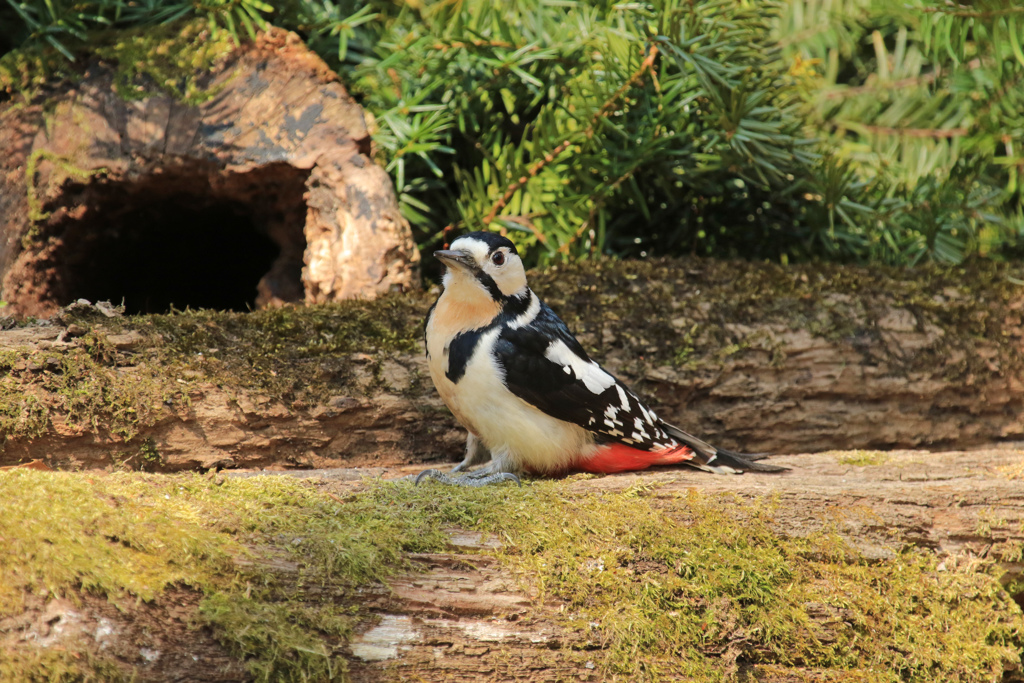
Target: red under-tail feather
[617, 457]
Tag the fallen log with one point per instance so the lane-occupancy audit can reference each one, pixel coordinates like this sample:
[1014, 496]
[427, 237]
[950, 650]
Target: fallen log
[750, 356]
[465, 617]
[850, 564]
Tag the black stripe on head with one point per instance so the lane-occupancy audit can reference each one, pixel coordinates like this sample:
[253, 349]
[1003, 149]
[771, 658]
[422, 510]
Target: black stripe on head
[489, 284]
[493, 240]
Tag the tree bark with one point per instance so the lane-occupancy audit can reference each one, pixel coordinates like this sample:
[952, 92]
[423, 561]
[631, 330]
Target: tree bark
[748, 356]
[465, 615]
[278, 141]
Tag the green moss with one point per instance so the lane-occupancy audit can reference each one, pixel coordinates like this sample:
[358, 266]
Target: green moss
[300, 354]
[862, 458]
[53, 665]
[691, 313]
[128, 538]
[296, 354]
[654, 588]
[35, 207]
[647, 314]
[174, 59]
[28, 70]
[81, 388]
[670, 588]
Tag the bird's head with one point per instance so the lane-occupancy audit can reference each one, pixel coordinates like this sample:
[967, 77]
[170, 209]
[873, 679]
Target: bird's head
[484, 260]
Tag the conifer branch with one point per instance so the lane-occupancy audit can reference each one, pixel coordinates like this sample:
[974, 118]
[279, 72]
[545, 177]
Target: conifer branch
[645, 66]
[967, 12]
[935, 133]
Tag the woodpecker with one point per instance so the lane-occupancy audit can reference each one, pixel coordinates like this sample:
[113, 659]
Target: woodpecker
[530, 397]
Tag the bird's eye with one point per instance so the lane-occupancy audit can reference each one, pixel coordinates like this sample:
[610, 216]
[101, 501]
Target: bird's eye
[498, 258]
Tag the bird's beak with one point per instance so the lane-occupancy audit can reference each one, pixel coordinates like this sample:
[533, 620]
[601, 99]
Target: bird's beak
[455, 257]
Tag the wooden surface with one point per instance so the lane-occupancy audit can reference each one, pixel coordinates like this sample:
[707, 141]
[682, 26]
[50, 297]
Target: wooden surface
[466, 619]
[917, 359]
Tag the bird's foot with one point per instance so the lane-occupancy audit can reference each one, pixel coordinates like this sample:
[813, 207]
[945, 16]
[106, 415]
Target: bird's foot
[477, 478]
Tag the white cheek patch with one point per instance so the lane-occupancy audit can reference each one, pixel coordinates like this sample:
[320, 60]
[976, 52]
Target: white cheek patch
[593, 377]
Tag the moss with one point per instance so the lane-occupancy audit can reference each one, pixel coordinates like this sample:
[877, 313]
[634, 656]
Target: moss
[862, 458]
[128, 538]
[300, 354]
[35, 207]
[688, 312]
[667, 591]
[654, 588]
[83, 389]
[174, 59]
[55, 666]
[28, 70]
[650, 313]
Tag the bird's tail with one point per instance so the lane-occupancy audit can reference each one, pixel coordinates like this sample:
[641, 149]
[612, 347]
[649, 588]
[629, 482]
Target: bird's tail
[719, 460]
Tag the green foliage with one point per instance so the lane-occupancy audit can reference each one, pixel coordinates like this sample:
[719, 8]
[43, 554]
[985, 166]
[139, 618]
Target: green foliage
[921, 104]
[64, 24]
[853, 130]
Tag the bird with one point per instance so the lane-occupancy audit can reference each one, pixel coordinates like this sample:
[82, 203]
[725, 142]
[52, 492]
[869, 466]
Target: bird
[531, 399]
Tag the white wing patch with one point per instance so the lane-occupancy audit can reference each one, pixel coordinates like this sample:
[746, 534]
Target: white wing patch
[623, 399]
[590, 373]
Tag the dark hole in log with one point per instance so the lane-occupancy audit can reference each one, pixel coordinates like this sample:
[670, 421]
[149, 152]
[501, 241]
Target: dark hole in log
[198, 239]
[178, 252]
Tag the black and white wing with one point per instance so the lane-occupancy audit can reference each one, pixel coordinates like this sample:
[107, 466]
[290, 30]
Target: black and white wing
[547, 367]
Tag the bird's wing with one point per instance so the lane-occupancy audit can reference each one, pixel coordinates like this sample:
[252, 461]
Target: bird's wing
[547, 367]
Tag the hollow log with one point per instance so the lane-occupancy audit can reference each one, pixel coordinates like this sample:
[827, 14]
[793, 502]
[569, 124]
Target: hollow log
[749, 356]
[260, 190]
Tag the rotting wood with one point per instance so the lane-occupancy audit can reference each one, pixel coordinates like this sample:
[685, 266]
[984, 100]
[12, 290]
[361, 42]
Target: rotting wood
[749, 356]
[465, 617]
[279, 140]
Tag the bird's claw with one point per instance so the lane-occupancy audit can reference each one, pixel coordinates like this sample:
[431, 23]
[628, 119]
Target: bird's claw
[472, 479]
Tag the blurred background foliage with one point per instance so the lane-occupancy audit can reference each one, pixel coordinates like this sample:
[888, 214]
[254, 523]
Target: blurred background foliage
[850, 130]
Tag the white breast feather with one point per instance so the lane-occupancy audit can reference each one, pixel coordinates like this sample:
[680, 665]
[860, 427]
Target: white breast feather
[509, 425]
